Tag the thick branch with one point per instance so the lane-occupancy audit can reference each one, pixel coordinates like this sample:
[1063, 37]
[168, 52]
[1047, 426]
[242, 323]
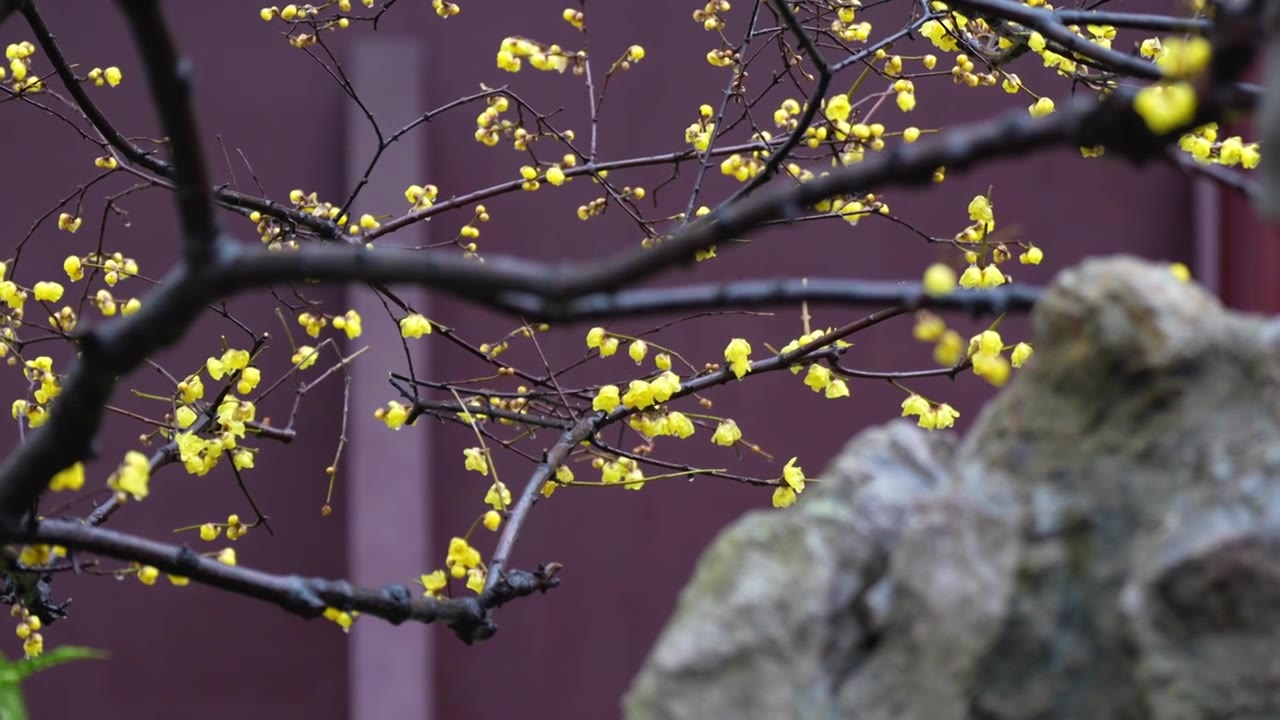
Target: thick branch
[170, 81]
[1134, 21]
[1053, 28]
[529, 496]
[305, 597]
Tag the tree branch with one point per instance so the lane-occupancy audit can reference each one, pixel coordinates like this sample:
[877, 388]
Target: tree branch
[170, 81]
[1053, 28]
[305, 597]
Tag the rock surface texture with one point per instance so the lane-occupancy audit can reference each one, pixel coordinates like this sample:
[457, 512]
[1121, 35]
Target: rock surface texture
[1105, 543]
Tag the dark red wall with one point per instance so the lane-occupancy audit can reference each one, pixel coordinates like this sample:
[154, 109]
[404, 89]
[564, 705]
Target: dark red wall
[625, 554]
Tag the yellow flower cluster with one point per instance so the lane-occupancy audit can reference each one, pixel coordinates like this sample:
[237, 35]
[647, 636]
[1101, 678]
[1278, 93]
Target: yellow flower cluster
[709, 15]
[622, 471]
[845, 25]
[819, 378]
[792, 485]
[703, 131]
[948, 344]
[463, 560]
[985, 351]
[111, 76]
[28, 631]
[1205, 147]
[514, 50]
[491, 127]
[671, 424]
[931, 416]
[574, 18]
[19, 56]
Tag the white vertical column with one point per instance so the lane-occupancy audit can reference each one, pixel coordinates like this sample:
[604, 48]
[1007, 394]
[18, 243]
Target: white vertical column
[386, 474]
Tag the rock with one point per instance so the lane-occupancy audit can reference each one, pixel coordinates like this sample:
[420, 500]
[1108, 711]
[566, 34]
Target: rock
[1105, 543]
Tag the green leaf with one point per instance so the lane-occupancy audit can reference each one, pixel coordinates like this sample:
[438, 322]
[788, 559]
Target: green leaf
[12, 706]
[56, 656]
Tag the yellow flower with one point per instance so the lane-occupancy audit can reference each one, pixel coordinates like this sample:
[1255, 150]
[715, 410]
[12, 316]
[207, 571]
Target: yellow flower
[1180, 271]
[1032, 256]
[394, 415]
[664, 386]
[738, 353]
[992, 276]
[71, 478]
[949, 349]
[606, 398]
[475, 580]
[910, 135]
[227, 556]
[305, 356]
[608, 346]
[818, 377]
[595, 336]
[663, 361]
[349, 323]
[945, 417]
[939, 279]
[209, 532]
[242, 459]
[434, 583]
[784, 497]
[191, 389]
[113, 76]
[793, 475]
[727, 433]
[461, 555]
[249, 379]
[1021, 353]
[928, 327]
[73, 268]
[1042, 107]
[343, 619]
[679, 425]
[915, 405]
[1165, 108]
[185, 417]
[1184, 58]
[492, 520]
[837, 389]
[132, 477]
[993, 368]
[639, 395]
[555, 175]
[68, 222]
[476, 460]
[971, 277]
[988, 342]
[231, 361]
[637, 350]
[498, 497]
[635, 53]
[48, 291]
[414, 325]
[838, 108]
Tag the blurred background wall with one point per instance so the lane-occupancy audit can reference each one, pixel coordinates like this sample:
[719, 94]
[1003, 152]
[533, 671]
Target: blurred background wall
[194, 652]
